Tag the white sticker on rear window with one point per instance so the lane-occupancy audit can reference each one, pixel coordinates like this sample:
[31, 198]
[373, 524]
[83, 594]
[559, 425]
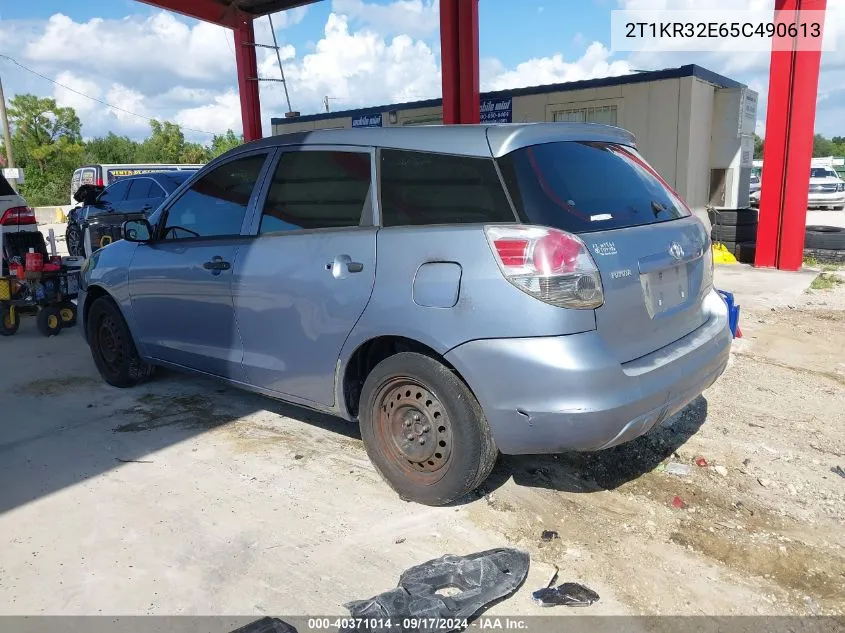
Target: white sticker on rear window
[600, 217]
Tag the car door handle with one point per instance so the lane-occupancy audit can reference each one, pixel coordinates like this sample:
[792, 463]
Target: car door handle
[354, 267]
[217, 265]
[341, 262]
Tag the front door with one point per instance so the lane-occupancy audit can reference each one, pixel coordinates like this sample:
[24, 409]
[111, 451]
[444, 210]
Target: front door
[181, 283]
[302, 283]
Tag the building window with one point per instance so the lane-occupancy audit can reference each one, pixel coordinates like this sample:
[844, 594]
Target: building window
[598, 114]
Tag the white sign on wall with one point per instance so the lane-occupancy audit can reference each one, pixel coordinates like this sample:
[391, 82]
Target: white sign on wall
[13, 173]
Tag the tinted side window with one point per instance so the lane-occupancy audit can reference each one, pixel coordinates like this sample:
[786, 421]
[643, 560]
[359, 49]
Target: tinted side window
[421, 188]
[115, 193]
[317, 190]
[140, 189]
[217, 202]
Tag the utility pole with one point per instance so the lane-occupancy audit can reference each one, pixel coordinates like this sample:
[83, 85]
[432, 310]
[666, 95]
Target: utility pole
[7, 135]
[326, 100]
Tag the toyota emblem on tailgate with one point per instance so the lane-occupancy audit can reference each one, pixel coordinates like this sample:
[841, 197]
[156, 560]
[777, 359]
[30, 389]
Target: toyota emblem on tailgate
[676, 250]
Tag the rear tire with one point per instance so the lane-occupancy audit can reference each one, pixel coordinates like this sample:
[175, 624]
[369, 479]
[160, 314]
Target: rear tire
[112, 346]
[424, 431]
[73, 240]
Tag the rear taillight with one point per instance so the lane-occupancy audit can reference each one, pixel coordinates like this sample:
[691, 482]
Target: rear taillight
[18, 216]
[98, 182]
[548, 264]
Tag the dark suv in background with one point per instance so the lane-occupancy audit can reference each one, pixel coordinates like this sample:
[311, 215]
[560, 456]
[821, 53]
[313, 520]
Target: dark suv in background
[102, 212]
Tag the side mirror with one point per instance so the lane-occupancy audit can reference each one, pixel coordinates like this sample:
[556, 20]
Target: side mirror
[137, 231]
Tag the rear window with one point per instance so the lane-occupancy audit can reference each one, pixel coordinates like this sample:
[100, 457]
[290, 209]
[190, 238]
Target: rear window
[422, 188]
[587, 186]
[5, 187]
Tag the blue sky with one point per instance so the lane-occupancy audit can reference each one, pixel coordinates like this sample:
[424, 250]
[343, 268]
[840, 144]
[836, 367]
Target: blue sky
[359, 52]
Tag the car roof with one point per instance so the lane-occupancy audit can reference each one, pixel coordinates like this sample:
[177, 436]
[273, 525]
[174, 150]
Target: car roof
[464, 140]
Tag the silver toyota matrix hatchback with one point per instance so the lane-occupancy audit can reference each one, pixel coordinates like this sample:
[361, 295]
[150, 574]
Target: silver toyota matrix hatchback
[457, 291]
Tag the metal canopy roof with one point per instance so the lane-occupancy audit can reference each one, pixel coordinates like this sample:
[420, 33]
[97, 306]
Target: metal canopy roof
[227, 12]
[263, 7]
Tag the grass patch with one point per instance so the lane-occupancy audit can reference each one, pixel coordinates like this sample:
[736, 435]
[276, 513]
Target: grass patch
[826, 281]
[810, 261]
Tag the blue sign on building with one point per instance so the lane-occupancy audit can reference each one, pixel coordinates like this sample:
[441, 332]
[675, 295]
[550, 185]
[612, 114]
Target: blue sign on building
[497, 110]
[367, 120]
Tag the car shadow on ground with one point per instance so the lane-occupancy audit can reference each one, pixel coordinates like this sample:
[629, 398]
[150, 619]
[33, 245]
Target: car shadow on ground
[78, 428]
[601, 470]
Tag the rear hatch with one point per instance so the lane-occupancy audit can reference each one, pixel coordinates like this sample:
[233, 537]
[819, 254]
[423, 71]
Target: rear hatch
[652, 254]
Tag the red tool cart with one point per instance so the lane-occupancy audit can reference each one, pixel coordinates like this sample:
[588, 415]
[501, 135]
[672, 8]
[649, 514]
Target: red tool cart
[33, 282]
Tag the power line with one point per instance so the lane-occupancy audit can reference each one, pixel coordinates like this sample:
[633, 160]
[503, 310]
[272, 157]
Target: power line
[105, 103]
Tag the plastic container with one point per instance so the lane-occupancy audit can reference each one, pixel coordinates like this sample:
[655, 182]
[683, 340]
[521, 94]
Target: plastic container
[733, 311]
[34, 262]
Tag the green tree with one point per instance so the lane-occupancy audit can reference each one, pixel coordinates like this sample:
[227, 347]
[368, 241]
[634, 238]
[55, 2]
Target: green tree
[222, 143]
[165, 144]
[823, 146]
[111, 149]
[47, 140]
[758, 147]
[194, 154]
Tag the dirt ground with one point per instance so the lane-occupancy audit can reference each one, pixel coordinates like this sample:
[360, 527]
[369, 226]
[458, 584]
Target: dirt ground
[185, 496]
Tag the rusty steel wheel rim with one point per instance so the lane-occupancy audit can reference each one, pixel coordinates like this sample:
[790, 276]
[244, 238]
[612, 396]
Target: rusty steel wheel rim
[413, 429]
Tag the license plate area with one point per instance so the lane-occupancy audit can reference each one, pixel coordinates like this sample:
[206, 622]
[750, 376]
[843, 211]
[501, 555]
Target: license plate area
[665, 289]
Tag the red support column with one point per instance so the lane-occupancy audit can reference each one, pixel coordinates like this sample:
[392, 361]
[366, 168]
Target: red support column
[470, 108]
[459, 61]
[790, 118]
[248, 79]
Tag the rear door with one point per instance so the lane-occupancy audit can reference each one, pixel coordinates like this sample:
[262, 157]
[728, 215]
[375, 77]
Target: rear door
[653, 254]
[302, 283]
[145, 195]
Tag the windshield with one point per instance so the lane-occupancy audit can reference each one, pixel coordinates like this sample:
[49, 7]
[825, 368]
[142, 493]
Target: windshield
[587, 186]
[822, 172]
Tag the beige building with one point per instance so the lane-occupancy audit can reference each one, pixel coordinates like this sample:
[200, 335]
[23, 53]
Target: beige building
[693, 125]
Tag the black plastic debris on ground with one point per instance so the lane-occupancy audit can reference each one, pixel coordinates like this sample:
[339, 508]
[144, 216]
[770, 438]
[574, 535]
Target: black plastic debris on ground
[549, 535]
[267, 625]
[569, 594]
[446, 590]
[838, 471]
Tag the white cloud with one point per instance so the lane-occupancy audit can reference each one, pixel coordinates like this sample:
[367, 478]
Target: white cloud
[596, 62]
[222, 114]
[415, 18]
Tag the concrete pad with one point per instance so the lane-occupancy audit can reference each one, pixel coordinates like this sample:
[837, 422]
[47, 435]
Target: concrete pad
[762, 287]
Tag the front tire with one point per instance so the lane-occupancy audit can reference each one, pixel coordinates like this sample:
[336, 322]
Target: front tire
[112, 346]
[424, 431]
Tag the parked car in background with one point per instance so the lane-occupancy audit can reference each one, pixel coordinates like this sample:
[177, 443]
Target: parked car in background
[103, 175]
[15, 215]
[99, 219]
[458, 291]
[827, 189]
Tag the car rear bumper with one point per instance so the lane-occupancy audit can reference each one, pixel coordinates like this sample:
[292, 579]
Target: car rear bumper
[556, 394]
